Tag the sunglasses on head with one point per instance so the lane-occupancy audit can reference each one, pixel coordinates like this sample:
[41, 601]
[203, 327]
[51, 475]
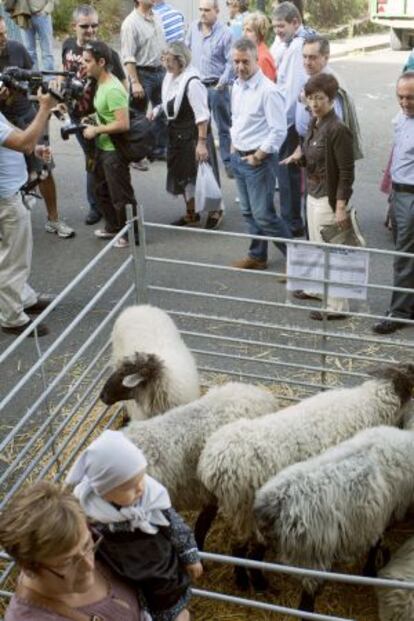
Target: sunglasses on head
[86, 26]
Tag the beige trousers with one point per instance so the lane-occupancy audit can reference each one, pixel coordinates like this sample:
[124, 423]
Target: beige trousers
[15, 261]
[320, 214]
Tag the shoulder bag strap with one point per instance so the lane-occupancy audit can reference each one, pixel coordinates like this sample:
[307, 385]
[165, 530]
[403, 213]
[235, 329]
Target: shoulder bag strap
[50, 604]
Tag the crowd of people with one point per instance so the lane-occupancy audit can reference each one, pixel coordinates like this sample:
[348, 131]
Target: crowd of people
[283, 119]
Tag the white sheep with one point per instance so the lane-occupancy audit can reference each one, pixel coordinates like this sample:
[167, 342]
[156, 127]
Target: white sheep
[398, 604]
[153, 368]
[336, 506]
[242, 456]
[172, 443]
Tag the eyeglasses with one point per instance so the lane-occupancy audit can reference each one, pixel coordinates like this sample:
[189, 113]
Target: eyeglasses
[86, 26]
[73, 563]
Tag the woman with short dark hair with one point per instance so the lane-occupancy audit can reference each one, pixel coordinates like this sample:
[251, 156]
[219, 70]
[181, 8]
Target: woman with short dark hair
[328, 157]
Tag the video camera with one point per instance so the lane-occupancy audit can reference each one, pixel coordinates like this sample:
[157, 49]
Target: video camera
[28, 82]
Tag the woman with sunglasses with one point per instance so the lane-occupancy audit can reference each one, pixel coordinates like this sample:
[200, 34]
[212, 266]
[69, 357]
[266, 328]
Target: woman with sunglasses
[44, 530]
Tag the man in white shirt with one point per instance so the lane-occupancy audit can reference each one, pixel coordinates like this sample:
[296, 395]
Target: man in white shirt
[291, 78]
[257, 133]
[402, 197]
[17, 298]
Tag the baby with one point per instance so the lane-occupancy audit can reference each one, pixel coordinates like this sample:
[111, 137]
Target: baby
[144, 539]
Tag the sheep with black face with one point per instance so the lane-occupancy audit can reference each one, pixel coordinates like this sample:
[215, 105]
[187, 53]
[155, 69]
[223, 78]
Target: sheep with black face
[154, 370]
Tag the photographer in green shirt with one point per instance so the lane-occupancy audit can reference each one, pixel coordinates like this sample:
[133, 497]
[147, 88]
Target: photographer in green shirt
[112, 175]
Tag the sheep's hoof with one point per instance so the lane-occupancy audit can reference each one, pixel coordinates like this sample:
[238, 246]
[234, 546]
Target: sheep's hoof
[307, 602]
[241, 579]
[259, 583]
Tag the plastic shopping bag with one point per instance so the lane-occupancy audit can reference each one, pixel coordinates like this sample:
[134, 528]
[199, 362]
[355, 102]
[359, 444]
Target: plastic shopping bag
[208, 195]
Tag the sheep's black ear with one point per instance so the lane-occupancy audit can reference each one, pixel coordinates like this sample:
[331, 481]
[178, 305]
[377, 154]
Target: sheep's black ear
[130, 381]
[402, 377]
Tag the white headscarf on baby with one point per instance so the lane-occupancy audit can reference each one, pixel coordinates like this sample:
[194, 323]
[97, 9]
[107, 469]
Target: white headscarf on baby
[109, 461]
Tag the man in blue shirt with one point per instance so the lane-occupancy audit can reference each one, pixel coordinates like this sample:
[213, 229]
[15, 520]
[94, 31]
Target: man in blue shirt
[17, 298]
[172, 21]
[258, 131]
[210, 44]
[291, 78]
[402, 214]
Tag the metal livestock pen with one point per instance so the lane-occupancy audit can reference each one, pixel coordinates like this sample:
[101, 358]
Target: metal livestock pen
[51, 407]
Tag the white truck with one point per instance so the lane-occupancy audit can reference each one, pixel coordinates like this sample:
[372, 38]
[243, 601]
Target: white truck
[399, 16]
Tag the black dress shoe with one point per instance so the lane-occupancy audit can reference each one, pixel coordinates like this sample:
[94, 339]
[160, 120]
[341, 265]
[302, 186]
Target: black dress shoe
[298, 233]
[38, 307]
[388, 326]
[93, 217]
[318, 316]
[42, 329]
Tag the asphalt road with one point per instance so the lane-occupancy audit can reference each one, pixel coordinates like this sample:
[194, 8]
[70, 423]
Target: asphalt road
[370, 78]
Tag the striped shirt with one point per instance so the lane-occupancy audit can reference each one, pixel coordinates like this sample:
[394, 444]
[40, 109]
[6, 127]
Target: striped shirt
[172, 21]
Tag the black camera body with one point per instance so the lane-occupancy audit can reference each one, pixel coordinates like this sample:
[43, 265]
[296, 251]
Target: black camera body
[28, 82]
[71, 128]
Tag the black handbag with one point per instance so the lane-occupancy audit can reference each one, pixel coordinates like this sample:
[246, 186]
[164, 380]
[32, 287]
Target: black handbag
[138, 142]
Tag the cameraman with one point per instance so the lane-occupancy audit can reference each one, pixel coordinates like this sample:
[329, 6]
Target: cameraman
[85, 24]
[17, 108]
[17, 298]
[112, 175]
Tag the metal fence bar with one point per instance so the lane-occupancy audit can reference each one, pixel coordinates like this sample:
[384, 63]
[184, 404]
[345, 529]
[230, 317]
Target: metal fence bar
[276, 363]
[85, 345]
[282, 240]
[310, 573]
[65, 333]
[290, 329]
[261, 377]
[282, 346]
[85, 438]
[46, 423]
[68, 438]
[229, 298]
[267, 274]
[80, 276]
[249, 603]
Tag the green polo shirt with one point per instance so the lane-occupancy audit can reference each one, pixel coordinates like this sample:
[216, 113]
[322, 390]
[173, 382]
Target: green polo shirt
[109, 97]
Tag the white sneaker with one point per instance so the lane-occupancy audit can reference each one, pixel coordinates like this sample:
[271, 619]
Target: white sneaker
[60, 228]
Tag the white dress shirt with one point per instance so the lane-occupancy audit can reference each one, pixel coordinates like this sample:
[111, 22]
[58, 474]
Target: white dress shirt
[258, 115]
[291, 74]
[402, 163]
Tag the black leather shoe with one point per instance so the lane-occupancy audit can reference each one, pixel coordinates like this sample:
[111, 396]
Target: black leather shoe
[38, 307]
[388, 326]
[93, 217]
[42, 329]
[298, 233]
[318, 316]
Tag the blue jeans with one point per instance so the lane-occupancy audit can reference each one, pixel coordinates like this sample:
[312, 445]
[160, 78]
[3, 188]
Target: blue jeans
[256, 186]
[289, 184]
[41, 25]
[219, 104]
[152, 82]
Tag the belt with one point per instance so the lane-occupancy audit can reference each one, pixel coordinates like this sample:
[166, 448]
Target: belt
[403, 187]
[150, 68]
[212, 82]
[246, 153]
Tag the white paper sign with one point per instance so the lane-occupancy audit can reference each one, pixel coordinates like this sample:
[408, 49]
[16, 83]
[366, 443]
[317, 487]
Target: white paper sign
[348, 269]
